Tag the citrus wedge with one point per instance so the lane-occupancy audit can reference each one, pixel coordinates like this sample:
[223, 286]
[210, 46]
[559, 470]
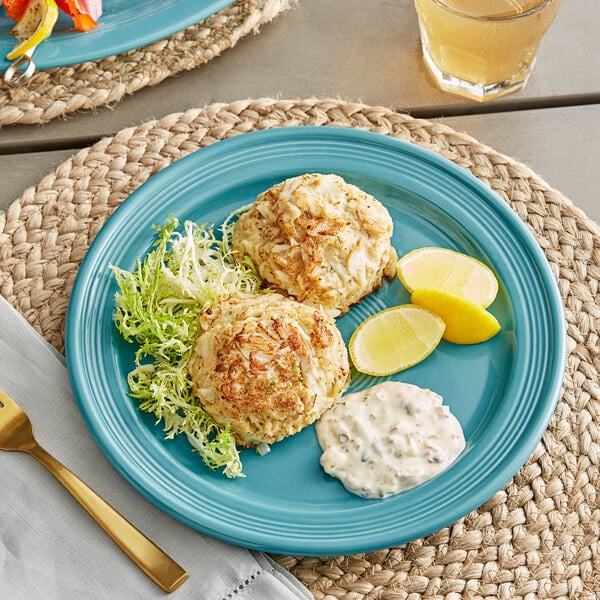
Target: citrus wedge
[466, 322]
[395, 339]
[449, 271]
[34, 26]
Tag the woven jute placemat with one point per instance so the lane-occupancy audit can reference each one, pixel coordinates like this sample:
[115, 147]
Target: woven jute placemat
[535, 538]
[57, 92]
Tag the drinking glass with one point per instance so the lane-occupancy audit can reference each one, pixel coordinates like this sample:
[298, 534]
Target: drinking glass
[482, 49]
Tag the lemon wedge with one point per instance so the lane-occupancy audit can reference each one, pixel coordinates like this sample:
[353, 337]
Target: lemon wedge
[450, 271]
[33, 27]
[395, 339]
[466, 322]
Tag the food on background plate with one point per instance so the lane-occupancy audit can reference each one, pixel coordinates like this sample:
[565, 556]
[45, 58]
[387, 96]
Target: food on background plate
[388, 438]
[34, 24]
[450, 271]
[36, 20]
[85, 13]
[267, 365]
[319, 239]
[395, 339]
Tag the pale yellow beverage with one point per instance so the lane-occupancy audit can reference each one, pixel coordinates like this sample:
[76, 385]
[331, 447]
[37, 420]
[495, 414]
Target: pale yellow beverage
[483, 48]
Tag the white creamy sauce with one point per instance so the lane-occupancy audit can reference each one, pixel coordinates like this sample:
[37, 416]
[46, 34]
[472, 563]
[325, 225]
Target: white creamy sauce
[388, 438]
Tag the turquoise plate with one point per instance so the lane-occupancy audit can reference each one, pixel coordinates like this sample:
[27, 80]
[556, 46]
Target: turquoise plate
[124, 25]
[503, 391]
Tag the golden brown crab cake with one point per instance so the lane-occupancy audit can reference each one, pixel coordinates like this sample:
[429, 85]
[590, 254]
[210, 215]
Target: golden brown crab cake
[267, 365]
[321, 240]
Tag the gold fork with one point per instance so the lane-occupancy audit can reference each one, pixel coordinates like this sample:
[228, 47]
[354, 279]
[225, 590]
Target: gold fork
[16, 434]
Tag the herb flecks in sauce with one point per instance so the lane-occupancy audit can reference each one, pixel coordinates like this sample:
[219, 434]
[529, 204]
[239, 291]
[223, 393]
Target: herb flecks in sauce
[388, 438]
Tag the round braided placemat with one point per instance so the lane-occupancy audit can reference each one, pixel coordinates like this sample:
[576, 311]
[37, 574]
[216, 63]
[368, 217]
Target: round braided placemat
[538, 536]
[57, 92]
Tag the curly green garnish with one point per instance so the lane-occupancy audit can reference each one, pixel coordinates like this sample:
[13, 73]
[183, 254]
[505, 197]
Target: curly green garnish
[157, 307]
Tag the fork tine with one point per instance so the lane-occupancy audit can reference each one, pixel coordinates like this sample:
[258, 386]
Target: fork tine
[8, 404]
[15, 427]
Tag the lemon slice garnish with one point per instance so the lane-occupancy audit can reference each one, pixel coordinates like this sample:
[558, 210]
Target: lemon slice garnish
[448, 271]
[395, 339]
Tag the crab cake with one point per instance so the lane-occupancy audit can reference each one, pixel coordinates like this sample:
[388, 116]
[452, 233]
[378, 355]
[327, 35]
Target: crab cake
[267, 365]
[319, 239]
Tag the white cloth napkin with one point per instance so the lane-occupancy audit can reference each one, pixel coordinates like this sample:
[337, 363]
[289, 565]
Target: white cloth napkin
[51, 549]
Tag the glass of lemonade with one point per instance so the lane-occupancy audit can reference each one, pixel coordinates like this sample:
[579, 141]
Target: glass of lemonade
[482, 49]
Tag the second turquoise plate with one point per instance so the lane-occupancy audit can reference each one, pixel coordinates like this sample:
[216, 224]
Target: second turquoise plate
[124, 25]
[503, 391]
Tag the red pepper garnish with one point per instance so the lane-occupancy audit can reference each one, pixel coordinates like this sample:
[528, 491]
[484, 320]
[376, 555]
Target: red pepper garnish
[15, 8]
[82, 19]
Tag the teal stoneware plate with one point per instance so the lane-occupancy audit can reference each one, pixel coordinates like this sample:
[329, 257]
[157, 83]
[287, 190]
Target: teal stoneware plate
[124, 25]
[503, 391]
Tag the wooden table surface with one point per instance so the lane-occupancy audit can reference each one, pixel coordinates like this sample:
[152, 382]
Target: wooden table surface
[366, 52]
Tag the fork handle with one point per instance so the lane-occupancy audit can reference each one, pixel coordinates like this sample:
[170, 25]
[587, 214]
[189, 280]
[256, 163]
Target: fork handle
[153, 561]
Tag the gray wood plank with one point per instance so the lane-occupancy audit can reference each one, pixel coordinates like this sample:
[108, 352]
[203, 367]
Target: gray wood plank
[562, 146]
[367, 51]
[19, 171]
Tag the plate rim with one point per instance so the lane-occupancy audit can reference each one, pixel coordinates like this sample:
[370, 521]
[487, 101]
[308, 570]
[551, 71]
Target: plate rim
[226, 147]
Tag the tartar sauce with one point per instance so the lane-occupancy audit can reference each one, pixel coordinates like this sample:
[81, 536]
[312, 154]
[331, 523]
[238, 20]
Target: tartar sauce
[388, 438]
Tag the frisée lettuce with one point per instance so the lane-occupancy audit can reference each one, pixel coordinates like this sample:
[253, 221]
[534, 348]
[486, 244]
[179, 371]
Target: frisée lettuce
[157, 308]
